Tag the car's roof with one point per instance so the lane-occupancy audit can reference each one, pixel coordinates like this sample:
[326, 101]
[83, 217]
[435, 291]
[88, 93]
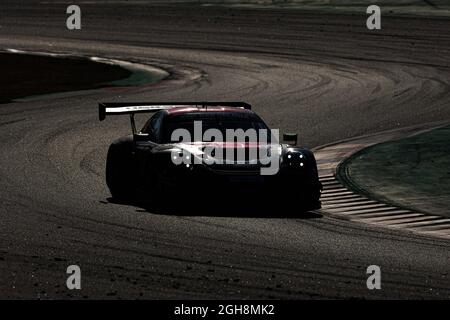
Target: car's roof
[192, 109]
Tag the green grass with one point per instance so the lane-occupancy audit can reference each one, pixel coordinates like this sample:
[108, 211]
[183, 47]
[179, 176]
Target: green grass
[412, 172]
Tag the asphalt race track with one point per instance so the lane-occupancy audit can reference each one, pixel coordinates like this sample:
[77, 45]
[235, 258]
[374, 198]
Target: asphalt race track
[324, 76]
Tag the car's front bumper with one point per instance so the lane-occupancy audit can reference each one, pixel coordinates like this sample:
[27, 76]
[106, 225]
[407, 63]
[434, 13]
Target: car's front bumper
[303, 188]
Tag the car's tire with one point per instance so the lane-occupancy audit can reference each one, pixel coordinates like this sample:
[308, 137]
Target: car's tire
[120, 175]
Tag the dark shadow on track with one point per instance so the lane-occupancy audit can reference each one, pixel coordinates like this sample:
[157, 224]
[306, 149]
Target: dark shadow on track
[38, 75]
[278, 208]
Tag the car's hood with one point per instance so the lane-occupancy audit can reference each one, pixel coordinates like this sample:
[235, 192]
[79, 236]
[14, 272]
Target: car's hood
[202, 144]
[219, 149]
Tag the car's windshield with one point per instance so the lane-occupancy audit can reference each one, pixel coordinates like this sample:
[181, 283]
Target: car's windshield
[211, 120]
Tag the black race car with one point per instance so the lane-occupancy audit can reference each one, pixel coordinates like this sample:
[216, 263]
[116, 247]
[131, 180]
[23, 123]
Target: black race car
[208, 149]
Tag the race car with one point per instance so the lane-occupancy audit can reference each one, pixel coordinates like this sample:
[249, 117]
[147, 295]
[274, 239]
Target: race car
[210, 150]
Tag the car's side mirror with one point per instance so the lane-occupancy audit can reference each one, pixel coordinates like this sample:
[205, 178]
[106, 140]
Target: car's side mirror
[290, 137]
[141, 137]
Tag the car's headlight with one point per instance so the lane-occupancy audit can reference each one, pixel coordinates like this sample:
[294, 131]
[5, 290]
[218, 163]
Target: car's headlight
[295, 159]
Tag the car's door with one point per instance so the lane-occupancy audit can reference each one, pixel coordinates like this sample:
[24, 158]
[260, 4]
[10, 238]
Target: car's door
[145, 141]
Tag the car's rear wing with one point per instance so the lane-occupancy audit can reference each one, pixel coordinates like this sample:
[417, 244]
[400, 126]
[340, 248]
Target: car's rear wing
[122, 108]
